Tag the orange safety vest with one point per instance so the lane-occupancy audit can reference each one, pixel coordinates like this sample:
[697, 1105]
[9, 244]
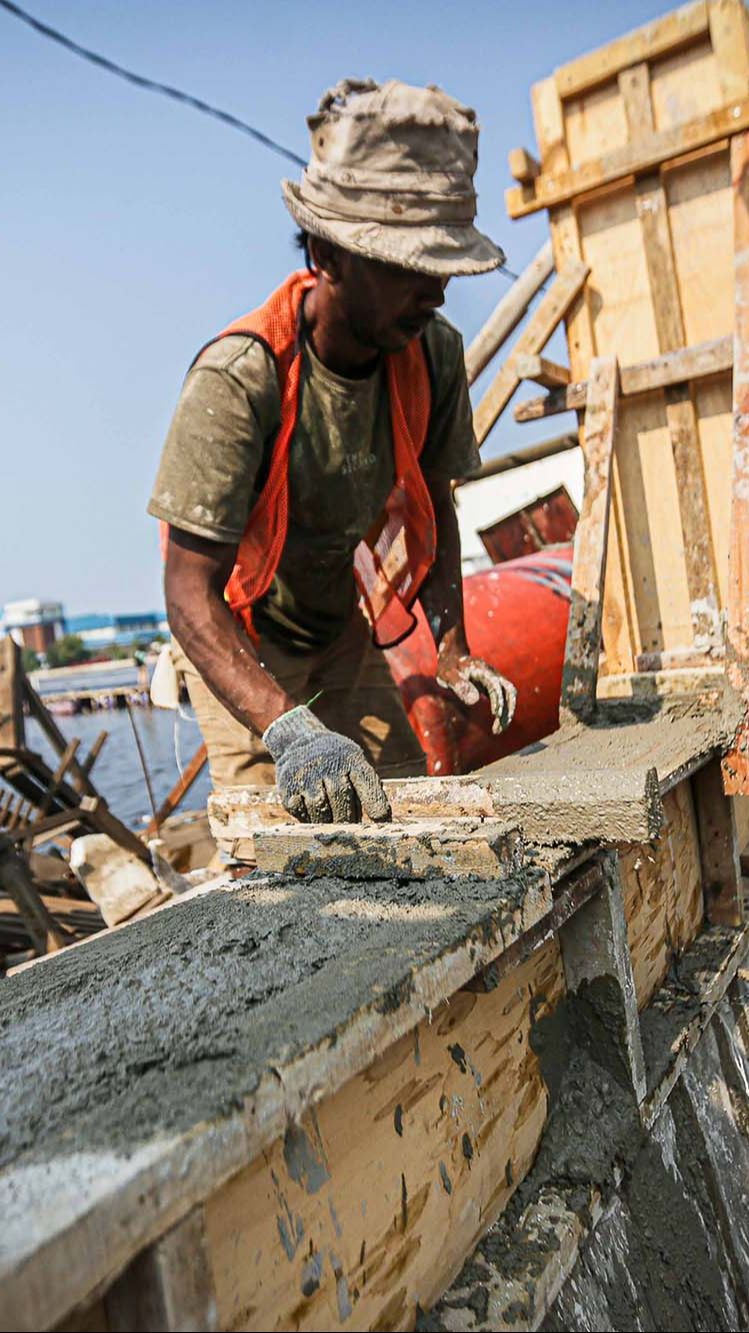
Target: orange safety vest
[392, 561]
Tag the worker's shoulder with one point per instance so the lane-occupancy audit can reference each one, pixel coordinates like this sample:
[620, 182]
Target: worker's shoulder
[246, 358]
[444, 346]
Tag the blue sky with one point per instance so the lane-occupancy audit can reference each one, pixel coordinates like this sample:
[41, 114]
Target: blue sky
[131, 229]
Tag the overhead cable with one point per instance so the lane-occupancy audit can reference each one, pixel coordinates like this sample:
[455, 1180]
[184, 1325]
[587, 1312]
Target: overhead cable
[151, 85]
[166, 90]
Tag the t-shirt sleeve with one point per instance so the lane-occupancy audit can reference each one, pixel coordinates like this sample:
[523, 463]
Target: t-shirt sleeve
[228, 409]
[450, 449]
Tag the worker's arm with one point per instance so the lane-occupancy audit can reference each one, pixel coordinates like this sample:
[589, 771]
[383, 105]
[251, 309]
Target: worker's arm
[197, 571]
[442, 599]
[322, 777]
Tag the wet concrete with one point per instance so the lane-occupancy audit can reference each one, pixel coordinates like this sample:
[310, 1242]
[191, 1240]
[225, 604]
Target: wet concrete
[629, 734]
[671, 1250]
[174, 1019]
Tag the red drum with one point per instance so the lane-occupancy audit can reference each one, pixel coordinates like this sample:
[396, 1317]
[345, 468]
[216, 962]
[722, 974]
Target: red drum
[516, 619]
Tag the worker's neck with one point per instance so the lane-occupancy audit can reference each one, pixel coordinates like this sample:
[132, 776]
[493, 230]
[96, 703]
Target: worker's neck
[332, 340]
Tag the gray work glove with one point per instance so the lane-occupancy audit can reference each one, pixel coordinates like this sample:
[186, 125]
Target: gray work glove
[322, 777]
[470, 677]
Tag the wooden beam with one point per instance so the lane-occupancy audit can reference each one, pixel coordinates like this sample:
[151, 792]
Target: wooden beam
[736, 761]
[664, 35]
[97, 815]
[533, 339]
[543, 371]
[179, 790]
[681, 416]
[508, 312]
[729, 35]
[79, 775]
[687, 363]
[719, 849]
[629, 160]
[45, 933]
[580, 673]
[523, 165]
[521, 457]
[11, 691]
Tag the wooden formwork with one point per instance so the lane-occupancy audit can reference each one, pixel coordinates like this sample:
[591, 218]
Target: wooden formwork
[635, 146]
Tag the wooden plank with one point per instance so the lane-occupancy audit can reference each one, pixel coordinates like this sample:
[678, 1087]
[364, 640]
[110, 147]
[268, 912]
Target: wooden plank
[79, 775]
[508, 312]
[580, 671]
[736, 761]
[368, 1207]
[619, 623]
[523, 165]
[663, 899]
[459, 848]
[729, 35]
[533, 339]
[719, 848]
[652, 210]
[168, 1286]
[94, 752]
[629, 160]
[45, 933]
[98, 816]
[658, 372]
[545, 372]
[549, 126]
[520, 458]
[662, 36]
[179, 790]
[11, 693]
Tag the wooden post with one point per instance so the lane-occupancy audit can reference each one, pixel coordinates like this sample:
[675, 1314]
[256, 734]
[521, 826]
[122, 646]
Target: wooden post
[736, 761]
[11, 697]
[580, 673]
[719, 849]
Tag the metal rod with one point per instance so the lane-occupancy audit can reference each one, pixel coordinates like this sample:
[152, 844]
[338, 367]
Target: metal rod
[142, 757]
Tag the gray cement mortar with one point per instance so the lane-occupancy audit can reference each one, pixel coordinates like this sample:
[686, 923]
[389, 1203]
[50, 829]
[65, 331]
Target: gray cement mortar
[175, 1019]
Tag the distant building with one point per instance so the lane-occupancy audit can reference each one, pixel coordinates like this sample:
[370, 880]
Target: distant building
[99, 630]
[36, 624]
[33, 624]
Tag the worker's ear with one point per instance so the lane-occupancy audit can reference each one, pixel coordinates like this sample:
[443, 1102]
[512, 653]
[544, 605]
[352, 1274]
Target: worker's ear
[326, 259]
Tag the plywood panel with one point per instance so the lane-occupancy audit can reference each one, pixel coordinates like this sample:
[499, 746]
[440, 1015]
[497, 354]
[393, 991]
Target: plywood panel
[662, 888]
[372, 1204]
[700, 216]
[594, 123]
[622, 311]
[685, 86]
[650, 508]
[714, 416]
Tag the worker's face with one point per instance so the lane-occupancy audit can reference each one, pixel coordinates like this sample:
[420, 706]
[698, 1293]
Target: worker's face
[384, 307]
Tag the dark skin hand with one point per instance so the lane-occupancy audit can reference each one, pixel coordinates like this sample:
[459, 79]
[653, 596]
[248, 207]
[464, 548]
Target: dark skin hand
[358, 310]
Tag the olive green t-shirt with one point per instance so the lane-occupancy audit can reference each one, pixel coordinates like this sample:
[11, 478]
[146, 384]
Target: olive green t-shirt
[216, 457]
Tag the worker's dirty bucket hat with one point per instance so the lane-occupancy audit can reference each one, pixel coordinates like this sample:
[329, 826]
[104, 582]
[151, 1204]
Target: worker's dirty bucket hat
[390, 178]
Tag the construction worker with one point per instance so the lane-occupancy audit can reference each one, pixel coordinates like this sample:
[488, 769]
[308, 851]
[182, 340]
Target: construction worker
[305, 480]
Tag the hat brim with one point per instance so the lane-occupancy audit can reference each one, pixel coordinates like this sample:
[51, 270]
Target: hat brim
[446, 251]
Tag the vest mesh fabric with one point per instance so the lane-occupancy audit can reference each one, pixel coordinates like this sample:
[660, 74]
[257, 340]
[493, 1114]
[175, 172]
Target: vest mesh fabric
[392, 561]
